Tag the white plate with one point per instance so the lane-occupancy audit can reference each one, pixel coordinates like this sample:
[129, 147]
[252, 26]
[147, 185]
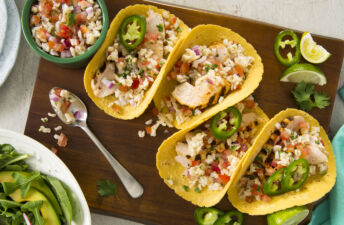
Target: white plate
[10, 48]
[43, 160]
[3, 23]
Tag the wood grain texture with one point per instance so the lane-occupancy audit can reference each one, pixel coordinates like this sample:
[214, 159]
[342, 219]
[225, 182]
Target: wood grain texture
[159, 204]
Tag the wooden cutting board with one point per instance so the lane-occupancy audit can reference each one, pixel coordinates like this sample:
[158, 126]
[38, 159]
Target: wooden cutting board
[159, 204]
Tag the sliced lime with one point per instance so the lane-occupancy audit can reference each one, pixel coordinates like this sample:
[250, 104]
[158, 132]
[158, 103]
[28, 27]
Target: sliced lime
[291, 216]
[311, 51]
[304, 72]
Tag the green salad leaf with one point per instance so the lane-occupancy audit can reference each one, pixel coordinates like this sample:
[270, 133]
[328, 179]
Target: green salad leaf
[21, 182]
[106, 188]
[9, 156]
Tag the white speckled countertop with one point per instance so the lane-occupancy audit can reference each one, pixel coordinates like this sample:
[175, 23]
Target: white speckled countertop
[324, 17]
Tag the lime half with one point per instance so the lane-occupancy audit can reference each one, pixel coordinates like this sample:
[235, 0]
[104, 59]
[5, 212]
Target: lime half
[291, 216]
[311, 51]
[304, 72]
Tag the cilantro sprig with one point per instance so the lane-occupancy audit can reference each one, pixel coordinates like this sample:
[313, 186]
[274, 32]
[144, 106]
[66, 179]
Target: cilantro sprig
[106, 188]
[307, 98]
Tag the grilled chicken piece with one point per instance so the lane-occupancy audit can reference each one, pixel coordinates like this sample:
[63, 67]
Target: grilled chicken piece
[100, 83]
[248, 118]
[206, 91]
[183, 161]
[221, 52]
[316, 156]
[294, 123]
[154, 38]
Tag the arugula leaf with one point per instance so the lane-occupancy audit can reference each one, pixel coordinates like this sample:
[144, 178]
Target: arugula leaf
[106, 188]
[307, 98]
[20, 182]
[34, 207]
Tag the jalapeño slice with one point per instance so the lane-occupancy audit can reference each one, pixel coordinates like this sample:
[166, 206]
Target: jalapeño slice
[207, 216]
[273, 185]
[293, 43]
[225, 123]
[295, 175]
[231, 218]
[132, 31]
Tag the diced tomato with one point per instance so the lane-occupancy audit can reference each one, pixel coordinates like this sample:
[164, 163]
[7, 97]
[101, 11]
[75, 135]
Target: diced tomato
[240, 71]
[225, 164]
[216, 169]
[59, 47]
[224, 178]
[244, 147]
[148, 129]
[54, 150]
[290, 148]
[65, 106]
[82, 4]
[145, 63]
[269, 171]
[184, 69]
[135, 84]
[249, 103]
[51, 44]
[155, 111]
[42, 33]
[227, 152]
[238, 86]
[255, 191]
[65, 31]
[284, 135]
[34, 20]
[46, 7]
[208, 171]
[305, 152]
[172, 20]
[115, 108]
[153, 36]
[265, 198]
[81, 18]
[260, 174]
[68, 2]
[123, 88]
[173, 75]
[196, 162]
[84, 29]
[322, 142]
[62, 141]
[178, 64]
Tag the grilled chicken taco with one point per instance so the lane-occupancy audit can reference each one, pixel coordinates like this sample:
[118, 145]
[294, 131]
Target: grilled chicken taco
[123, 76]
[199, 162]
[291, 163]
[212, 69]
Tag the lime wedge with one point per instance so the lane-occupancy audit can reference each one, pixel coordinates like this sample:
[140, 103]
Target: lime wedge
[311, 51]
[304, 72]
[291, 216]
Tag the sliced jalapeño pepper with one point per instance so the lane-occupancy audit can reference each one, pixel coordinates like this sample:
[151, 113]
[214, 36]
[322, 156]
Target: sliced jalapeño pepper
[225, 123]
[295, 175]
[231, 218]
[132, 31]
[273, 185]
[207, 216]
[293, 43]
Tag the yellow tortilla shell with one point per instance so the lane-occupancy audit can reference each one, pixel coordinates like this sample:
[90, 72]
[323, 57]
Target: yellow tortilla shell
[207, 35]
[168, 167]
[125, 112]
[315, 187]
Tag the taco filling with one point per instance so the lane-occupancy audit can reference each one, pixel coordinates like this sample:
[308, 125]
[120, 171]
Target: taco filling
[293, 152]
[204, 75]
[209, 159]
[134, 60]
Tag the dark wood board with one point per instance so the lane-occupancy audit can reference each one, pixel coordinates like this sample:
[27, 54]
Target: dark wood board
[159, 204]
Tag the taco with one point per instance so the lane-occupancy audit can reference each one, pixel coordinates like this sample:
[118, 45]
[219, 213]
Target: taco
[212, 69]
[198, 162]
[125, 73]
[291, 163]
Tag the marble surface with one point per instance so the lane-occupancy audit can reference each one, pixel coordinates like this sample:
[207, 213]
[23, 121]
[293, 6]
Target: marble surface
[324, 17]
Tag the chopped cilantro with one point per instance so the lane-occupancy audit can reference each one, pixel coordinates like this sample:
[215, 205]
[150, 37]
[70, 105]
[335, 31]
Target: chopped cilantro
[179, 30]
[140, 72]
[197, 190]
[217, 55]
[233, 148]
[160, 27]
[71, 19]
[186, 188]
[208, 67]
[317, 142]
[106, 188]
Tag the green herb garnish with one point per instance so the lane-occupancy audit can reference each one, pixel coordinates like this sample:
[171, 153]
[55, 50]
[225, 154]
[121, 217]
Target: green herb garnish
[106, 188]
[186, 188]
[160, 27]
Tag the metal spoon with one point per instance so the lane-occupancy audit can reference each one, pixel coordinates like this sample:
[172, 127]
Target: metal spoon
[133, 187]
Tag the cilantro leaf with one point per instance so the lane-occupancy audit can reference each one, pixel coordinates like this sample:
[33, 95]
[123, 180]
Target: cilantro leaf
[106, 188]
[160, 27]
[307, 98]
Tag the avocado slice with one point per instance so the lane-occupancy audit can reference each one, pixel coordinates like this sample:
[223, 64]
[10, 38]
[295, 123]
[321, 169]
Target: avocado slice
[48, 212]
[62, 195]
[39, 184]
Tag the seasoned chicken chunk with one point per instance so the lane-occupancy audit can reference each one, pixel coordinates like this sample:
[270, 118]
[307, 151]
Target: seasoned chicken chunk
[101, 83]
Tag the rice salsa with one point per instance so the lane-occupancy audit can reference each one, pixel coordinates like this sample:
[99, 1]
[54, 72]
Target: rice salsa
[66, 28]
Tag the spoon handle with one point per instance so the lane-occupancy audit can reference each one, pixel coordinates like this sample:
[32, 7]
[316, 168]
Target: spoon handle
[133, 187]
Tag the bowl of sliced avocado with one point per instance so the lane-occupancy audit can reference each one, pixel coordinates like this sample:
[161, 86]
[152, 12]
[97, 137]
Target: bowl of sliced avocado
[36, 186]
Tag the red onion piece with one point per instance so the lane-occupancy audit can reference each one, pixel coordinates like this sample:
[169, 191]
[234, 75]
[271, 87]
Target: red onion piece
[26, 218]
[216, 169]
[171, 109]
[210, 81]
[195, 49]
[54, 97]
[107, 83]
[66, 43]
[78, 114]
[77, 9]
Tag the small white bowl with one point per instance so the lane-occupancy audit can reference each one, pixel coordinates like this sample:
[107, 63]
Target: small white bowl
[43, 160]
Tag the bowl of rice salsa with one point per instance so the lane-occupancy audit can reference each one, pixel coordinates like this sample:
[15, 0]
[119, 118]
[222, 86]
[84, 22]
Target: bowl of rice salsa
[66, 32]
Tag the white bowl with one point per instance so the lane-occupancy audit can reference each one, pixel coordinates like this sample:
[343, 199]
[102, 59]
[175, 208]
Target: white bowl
[43, 160]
